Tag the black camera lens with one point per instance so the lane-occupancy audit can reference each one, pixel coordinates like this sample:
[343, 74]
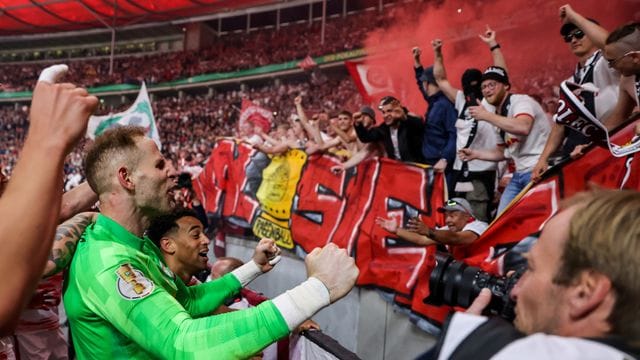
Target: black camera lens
[455, 283]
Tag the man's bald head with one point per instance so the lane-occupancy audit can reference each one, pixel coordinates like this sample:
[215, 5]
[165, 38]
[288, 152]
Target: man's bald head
[224, 265]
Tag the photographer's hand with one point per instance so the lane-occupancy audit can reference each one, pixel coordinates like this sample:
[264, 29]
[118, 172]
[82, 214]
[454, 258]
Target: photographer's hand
[480, 303]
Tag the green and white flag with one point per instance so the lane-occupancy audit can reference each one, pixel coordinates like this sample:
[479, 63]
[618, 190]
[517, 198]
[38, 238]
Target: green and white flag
[139, 114]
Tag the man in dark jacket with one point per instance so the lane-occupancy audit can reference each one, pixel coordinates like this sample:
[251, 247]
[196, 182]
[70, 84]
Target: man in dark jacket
[439, 139]
[401, 133]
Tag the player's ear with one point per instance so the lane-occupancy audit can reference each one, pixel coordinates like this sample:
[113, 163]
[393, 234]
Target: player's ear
[167, 245]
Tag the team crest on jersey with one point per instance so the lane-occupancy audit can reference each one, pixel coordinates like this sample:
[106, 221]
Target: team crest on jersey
[132, 284]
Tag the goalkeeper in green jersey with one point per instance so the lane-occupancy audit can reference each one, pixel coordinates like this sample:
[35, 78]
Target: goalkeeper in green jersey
[122, 300]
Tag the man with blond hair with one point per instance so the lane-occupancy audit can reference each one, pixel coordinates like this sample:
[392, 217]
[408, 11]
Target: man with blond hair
[578, 298]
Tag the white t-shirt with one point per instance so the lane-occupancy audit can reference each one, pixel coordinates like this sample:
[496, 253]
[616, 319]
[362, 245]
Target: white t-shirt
[629, 84]
[606, 79]
[525, 149]
[394, 141]
[484, 139]
[475, 226]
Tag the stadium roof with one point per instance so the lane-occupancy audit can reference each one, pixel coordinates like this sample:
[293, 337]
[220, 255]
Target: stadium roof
[20, 17]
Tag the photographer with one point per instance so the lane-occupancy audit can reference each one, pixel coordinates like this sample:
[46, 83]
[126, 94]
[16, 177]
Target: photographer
[578, 298]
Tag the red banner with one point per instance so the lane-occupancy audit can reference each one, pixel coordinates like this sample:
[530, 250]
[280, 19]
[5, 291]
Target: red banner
[596, 168]
[297, 200]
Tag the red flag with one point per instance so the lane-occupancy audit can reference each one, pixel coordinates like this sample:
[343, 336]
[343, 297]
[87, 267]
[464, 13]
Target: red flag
[307, 63]
[256, 115]
[528, 213]
[372, 81]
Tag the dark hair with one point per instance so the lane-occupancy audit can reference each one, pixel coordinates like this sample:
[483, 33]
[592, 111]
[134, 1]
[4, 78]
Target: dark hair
[111, 143]
[163, 224]
[388, 100]
[346, 113]
[621, 32]
[566, 28]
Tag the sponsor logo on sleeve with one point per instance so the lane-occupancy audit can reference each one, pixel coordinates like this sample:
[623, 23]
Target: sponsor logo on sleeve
[132, 284]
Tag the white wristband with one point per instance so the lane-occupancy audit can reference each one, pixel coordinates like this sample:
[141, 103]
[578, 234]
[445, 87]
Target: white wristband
[247, 272]
[300, 303]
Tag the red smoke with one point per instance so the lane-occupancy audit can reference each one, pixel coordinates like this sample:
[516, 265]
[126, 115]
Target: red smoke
[527, 30]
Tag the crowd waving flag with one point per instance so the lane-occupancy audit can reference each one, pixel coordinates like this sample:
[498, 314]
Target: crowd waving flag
[255, 115]
[307, 63]
[139, 114]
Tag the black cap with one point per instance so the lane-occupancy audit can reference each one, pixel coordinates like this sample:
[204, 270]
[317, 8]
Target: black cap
[496, 73]
[471, 77]
[367, 110]
[569, 27]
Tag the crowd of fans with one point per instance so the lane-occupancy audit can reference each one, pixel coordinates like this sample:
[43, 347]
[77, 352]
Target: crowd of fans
[483, 121]
[188, 126]
[230, 52]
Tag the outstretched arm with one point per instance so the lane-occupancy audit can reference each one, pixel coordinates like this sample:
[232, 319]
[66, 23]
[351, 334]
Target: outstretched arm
[392, 226]
[313, 132]
[553, 142]
[58, 118]
[596, 33]
[495, 154]
[357, 158]
[417, 67]
[440, 73]
[519, 125]
[448, 237]
[489, 37]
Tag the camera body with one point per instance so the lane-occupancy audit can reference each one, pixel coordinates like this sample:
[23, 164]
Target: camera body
[455, 283]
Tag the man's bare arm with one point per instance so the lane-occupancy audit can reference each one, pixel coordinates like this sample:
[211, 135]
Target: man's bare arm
[553, 142]
[313, 132]
[595, 32]
[30, 206]
[622, 110]
[78, 199]
[489, 37]
[64, 242]
[495, 154]
[440, 74]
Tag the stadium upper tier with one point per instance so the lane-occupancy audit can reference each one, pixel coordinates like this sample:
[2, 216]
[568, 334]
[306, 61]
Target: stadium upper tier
[229, 53]
[46, 16]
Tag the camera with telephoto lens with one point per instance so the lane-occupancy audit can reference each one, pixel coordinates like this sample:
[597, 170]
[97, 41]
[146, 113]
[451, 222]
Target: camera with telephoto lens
[455, 283]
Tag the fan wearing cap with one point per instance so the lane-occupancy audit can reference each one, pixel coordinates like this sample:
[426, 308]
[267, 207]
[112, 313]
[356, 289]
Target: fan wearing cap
[622, 52]
[400, 134]
[523, 131]
[461, 227]
[473, 180]
[585, 38]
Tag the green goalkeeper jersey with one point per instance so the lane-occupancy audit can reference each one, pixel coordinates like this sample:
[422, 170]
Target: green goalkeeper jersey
[123, 302]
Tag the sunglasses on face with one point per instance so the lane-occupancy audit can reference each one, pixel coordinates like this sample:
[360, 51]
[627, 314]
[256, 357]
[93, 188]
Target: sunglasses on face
[578, 34]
